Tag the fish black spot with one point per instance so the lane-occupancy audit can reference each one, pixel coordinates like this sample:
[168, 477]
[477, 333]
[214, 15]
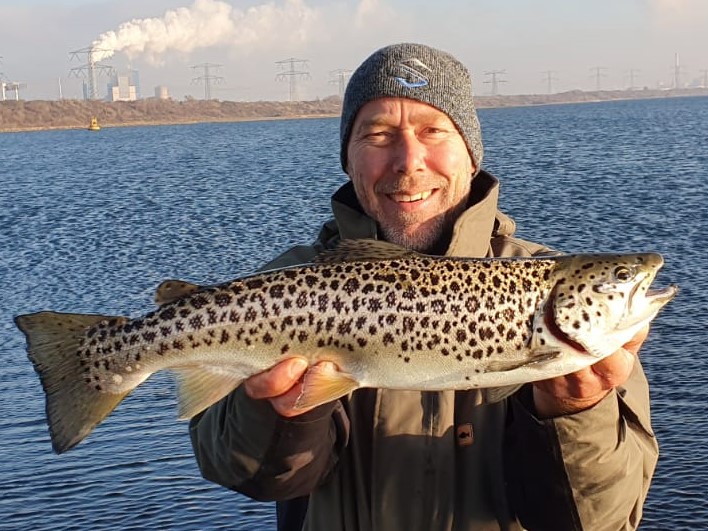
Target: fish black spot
[250, 315]
[168, 314]
[284, 349]
[361, 341]
[196, 322]
[223, 299]
[388, 339]
[198, 301]
[302, 336]
[351, 286]
[254, 283]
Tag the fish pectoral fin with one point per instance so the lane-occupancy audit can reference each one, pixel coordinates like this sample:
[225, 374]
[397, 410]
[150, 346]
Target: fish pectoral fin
[170, 290]
[200, 386]
[363, 250]
[537, 356]
[322, 385]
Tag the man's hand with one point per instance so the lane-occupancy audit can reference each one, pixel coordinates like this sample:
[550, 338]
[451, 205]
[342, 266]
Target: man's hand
[281, 385]
[583, 389]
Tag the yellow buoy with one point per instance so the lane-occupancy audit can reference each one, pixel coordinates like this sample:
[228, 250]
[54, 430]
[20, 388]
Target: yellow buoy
[93, 126]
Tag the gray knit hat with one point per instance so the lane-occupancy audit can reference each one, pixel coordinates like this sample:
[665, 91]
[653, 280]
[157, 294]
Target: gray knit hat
[416, 72]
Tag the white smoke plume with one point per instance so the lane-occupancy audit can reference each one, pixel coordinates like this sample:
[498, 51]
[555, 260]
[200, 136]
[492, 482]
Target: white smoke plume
[208, 23]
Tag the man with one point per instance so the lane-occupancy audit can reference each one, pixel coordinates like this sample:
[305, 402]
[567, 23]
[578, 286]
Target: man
[575, 452]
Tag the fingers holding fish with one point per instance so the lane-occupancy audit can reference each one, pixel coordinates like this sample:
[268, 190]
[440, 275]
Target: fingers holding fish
[277, 380]
[583, 389]
[284, 385]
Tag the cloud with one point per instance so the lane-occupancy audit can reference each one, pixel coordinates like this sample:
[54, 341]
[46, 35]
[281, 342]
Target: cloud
[673, 13]
[208, 23]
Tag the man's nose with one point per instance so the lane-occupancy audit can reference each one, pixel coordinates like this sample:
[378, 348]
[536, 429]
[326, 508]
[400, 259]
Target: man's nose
[409, 153]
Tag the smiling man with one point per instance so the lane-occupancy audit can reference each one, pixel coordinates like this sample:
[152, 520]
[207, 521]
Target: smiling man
[575, 452]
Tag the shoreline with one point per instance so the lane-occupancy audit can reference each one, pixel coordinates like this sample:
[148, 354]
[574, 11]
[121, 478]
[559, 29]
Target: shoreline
[40, 115]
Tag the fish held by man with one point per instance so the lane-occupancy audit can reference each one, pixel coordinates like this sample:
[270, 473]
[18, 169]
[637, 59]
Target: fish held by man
[385, 316]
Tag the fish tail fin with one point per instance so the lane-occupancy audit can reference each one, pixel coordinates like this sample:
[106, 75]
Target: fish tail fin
[73, 408]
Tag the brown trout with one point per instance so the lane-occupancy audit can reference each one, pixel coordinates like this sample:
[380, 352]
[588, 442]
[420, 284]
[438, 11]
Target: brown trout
[385, 316]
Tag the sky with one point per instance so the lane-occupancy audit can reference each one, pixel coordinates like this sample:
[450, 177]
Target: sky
[529, 46]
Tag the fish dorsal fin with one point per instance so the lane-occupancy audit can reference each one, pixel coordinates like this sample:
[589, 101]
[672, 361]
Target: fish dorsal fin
[171, 290]
[363, 250]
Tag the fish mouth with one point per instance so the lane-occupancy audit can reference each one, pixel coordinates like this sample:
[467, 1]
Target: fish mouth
[654, 300]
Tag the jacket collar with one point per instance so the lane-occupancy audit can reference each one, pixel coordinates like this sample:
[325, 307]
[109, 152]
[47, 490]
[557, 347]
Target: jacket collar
[471, 233]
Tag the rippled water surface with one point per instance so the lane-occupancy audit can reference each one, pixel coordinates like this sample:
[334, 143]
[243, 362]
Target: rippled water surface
[93, 222]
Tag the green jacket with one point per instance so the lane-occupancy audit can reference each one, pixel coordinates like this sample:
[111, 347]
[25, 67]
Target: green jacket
[388, 460]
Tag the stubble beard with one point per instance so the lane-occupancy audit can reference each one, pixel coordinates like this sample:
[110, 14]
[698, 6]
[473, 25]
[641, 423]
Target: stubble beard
[432, 236]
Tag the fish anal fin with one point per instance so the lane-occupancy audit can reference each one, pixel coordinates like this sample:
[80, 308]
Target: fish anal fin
[538, 356]
[321, 385]
[171, 290]
[200, 386]
[363, 250]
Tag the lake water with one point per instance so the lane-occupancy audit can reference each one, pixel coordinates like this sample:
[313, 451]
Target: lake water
[93, 222]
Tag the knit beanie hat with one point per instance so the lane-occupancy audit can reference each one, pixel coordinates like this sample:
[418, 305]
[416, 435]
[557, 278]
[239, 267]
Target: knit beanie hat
[420, 73]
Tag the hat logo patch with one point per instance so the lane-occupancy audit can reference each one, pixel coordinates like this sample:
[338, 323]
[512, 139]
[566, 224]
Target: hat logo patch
[410, 73]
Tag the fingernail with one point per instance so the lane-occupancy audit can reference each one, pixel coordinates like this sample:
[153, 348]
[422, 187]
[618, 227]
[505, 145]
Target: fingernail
[297, 367]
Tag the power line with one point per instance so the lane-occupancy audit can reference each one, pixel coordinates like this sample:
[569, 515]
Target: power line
[598, 76]
[495, 81]
[677, 72]
[208, 79]
[341, 78]
[91, 69]
[292, 75]
[631, 72]
[550, 78]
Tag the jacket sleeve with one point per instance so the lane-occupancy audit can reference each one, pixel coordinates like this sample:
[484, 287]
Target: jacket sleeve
[589, 470]
[243, 444]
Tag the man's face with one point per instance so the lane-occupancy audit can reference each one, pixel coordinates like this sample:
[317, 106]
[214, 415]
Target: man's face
[411, 170]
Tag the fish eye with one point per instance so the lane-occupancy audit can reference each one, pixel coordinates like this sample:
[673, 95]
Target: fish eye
[623, 273]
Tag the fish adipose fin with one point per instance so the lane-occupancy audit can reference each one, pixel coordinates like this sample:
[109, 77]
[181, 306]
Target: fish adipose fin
[200, 386]
[170, 290]
[364, 250]
[322, 385]
[73, 407]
